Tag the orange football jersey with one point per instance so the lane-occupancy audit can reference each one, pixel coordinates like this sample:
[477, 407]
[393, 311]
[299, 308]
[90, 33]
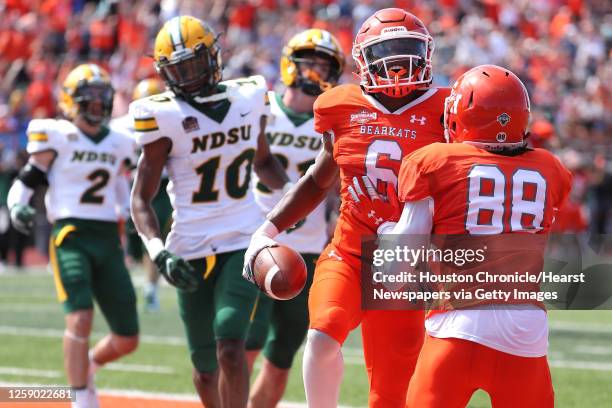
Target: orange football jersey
[478, 192]
[370, 140]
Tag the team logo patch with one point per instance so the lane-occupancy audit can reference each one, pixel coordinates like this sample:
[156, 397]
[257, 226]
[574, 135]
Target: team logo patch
[422, 120]
[503, 119]
[501, 137]
[72, 137]
[190, 124]
[363, 117]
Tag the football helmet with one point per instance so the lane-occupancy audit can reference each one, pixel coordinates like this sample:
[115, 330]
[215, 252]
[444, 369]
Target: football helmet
[187, 57]
[87, 91]
[489, 107]
[148, 87]
[301, 47]
[393, 51]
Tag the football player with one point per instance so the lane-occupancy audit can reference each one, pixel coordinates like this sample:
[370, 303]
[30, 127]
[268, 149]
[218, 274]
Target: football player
[488, 182]
[161, 202]
[208, 134]
[367, 129]
[311, 63]
[82, 161]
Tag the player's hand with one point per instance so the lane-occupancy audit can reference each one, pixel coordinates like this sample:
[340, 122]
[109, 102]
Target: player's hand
[369, 207]
[176, 271]
[22, 217]
[258, 242]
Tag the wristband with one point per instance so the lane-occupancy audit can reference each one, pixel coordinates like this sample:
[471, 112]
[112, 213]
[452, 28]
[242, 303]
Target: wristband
[154, 247]
[267, 229]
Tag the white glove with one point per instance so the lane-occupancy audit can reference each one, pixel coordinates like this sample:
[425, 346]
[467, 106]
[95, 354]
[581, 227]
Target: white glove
[262, 238]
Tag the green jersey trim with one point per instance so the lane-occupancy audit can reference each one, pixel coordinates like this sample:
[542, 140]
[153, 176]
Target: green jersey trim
[98, 137]
[216, 111]
[297, 118]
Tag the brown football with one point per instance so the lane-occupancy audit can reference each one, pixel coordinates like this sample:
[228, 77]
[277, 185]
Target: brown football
[280, 272]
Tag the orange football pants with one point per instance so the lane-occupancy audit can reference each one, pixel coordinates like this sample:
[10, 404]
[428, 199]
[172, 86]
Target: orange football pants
[391, 339]
[450, 370]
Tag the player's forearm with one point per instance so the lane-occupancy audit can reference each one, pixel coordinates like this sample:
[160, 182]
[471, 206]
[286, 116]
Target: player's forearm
[144, 219]
[300, 201]
[271, 172]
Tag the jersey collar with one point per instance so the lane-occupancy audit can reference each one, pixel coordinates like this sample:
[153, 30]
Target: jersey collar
[98, 137]
[297, 118]
[216, 111]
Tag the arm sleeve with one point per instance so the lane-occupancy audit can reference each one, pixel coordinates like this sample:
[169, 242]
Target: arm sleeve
[322, 115]
[411, 231]
[413, 181]
[565, 186]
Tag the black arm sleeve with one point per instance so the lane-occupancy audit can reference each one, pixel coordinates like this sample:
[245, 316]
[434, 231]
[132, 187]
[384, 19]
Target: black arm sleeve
[32, 176]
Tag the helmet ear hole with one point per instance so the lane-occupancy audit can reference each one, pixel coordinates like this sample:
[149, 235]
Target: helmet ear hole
[453, 126]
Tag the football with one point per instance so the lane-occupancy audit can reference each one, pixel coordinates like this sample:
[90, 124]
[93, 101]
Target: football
[280, 272]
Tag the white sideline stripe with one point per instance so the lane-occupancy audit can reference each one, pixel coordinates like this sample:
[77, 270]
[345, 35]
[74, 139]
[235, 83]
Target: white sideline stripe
[581, 365]
[154, 395]
[595, 350]
[140, 368]
[581, 327]
[55, 333]
[30, 372]
[147, 339]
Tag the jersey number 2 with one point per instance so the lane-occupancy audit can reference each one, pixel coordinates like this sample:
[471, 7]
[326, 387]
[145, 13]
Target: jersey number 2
[100, 179]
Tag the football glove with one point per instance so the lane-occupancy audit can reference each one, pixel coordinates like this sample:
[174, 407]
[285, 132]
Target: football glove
[176, 271]
[22, 217]
[258, 242]
[369, 207]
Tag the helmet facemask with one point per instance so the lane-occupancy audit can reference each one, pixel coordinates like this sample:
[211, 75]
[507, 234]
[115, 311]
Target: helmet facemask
[94, 101]
[192, 73]
[395, 65]
[309, 79]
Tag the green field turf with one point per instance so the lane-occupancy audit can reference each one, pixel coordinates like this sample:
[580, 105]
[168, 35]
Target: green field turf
[31, 325]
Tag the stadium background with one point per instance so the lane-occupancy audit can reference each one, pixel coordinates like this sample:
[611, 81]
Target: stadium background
[561, 49]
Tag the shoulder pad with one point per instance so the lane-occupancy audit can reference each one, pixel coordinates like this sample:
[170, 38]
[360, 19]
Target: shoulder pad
[44, 134]
[147, 115]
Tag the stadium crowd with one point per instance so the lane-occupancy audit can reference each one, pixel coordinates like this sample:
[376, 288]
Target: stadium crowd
[561, 49]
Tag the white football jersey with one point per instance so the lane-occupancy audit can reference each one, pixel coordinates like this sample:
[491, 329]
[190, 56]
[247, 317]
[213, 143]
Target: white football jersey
[209, 165]
[295, 143]
[83, 176]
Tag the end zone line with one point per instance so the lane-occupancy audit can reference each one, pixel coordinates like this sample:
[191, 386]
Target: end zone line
[156, 395]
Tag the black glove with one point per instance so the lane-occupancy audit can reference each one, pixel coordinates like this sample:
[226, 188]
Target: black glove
[176, 271]
[22, 217]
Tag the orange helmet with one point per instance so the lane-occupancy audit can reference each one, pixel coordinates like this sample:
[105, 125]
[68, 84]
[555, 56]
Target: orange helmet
[488, 106]
[393, 52]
